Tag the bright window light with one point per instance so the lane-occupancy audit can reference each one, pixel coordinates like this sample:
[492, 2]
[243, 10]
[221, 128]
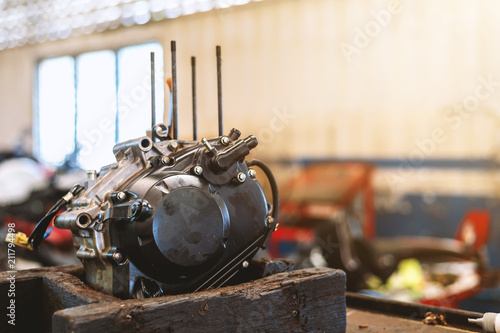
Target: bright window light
[105, 80]
[134, 89]
[96, 108]
[56, 109]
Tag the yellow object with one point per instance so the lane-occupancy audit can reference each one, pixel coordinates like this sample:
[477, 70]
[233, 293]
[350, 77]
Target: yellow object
[19, 239]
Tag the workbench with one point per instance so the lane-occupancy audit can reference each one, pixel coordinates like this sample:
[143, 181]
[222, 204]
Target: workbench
[368, 314]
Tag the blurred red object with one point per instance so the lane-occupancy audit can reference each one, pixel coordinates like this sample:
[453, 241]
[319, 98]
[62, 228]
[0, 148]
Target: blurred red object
[473, 231]
[317, 194]
[323, 189]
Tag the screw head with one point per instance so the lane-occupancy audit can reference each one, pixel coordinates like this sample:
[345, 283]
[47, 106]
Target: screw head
[173, 145]
[245, 264]
[165, 160]
[224, 140]
[198, 170]
[252, 173]
[241, 177]
[121, 196]
[118, 257]
[269, 221]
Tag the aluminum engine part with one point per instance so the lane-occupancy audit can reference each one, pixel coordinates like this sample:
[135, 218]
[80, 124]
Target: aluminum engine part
[169, 217]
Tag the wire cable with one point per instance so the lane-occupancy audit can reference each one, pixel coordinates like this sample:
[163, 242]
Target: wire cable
[39, 233]
[272, 183]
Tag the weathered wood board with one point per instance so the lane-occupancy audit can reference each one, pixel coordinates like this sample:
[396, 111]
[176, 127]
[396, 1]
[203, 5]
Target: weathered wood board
[310, 300]
[40, 292]
[55, 299]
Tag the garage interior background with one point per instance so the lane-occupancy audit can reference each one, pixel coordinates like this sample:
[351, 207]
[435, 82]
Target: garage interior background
[416, 92]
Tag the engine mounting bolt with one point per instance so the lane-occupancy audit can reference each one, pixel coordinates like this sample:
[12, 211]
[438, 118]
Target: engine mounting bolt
[118, 257]
[241, 177]
[121, 196]
[252, 173]
[245, 264]
[173, 145]
[224, 140]
[198, 170]
[295, 313]
[165, 160]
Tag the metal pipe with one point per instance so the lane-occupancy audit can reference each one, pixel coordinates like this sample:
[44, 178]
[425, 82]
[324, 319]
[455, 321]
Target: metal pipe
[174, 90]
[219, 88]
[153, 99]
[193, 89]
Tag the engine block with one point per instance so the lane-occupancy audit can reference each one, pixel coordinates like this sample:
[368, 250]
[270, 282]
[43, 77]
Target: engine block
[169, 217]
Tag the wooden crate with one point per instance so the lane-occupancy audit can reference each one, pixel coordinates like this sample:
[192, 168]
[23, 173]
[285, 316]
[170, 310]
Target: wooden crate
[56, 300]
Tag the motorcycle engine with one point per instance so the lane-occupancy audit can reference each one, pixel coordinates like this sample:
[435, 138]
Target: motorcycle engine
[171, 216]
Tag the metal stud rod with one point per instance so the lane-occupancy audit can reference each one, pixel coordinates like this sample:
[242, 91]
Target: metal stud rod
[174, 90]
[219, 88]
[153, 102]
[193, 89]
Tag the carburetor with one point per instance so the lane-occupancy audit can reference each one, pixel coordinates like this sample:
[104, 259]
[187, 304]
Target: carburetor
[170, 216]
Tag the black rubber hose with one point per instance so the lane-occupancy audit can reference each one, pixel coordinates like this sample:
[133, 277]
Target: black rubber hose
[272, 183]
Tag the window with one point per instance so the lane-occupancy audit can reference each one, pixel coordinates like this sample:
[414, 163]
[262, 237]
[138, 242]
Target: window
[89, 102]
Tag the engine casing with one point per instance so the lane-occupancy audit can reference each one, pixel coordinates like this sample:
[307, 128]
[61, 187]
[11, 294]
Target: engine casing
[169, 217]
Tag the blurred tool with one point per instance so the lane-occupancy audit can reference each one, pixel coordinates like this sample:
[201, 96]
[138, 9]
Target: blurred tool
[490, 322]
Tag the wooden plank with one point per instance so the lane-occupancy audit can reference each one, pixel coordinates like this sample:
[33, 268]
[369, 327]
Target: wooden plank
[29, 291]
[310, 300]
[62, 291]
[28, 274]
